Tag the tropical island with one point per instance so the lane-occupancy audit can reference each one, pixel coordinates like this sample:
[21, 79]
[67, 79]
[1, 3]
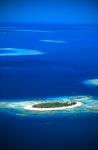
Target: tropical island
[73, 104]
[54, 104]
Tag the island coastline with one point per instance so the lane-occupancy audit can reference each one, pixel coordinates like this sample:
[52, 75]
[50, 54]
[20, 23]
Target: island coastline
[31, 107]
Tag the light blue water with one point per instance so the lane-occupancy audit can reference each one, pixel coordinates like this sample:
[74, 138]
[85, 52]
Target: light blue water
[60, 72]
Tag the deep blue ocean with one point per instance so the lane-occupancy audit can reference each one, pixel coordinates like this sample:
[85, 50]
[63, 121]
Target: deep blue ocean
[60, 71]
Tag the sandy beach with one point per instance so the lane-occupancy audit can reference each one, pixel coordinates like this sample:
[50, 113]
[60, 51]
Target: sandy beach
[30, 107]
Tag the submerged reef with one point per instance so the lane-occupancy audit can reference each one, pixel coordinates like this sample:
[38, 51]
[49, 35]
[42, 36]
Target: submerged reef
[19, 52]
[5, 29]
[72, 104]
[92, 82]
[53, 41]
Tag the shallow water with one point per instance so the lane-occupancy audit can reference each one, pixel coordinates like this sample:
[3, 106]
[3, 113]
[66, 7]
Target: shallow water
[58, 73]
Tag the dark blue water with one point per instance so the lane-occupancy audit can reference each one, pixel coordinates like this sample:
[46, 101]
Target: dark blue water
[59, 72]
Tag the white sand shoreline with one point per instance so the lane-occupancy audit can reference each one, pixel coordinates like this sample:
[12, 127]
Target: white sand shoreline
[30, 107]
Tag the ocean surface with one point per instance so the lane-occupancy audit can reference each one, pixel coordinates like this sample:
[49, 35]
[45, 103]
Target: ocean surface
[67, 56]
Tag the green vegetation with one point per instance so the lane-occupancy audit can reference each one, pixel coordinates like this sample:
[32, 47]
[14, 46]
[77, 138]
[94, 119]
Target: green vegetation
[54, 104]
